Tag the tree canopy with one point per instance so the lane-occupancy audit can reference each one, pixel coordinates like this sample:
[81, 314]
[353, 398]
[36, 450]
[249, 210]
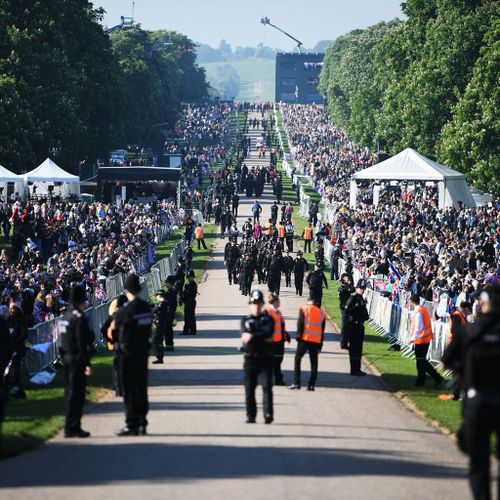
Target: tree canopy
[428, 83]
[70, 91]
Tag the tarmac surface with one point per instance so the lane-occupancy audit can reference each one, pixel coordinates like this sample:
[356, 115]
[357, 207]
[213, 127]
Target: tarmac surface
[350, 439]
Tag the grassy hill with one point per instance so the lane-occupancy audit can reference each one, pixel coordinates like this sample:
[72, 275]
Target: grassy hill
[257, 77]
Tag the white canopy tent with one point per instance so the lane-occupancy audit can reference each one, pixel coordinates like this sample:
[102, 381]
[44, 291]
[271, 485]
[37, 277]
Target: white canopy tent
[6, 177]
[48, 174]
[412, 166]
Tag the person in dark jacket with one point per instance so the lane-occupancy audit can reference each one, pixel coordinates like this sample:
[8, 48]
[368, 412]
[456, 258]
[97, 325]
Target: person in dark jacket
[5, 356]
[356, 314]
[164, 315]
[77, 340]
[475, 354]
[18, 337]
[316, 281]
[300, 266]
[112, 341]
[345, 291]
[257, 340]
[133, 324]
[189, 299]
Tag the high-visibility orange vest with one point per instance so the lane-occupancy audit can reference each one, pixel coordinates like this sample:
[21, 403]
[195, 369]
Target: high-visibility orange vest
[463, 321]
[198, 232]
[426, 335]
[278, 323]
[308, 233]
[313, 321]
[281, 231]
[267, 228]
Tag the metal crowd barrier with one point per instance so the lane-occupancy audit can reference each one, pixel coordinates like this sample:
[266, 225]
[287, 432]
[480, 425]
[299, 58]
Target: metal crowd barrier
[393, 321]
[97, 315]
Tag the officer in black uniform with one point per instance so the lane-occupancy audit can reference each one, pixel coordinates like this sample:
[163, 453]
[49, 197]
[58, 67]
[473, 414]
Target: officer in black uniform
[163, 315]
[110, 337]
[180, 275]
[235, 204]
[275, 269]
[189, 298]
[288, 266]
[319, 254]
[257, 337]
[355, 315]
[316, 280]
[475, 354]
[76, 350]
[345, 291]
[300, 266]
[246, 274]
[133, 324]
[231, 256]
[5, 355]
[334, 262]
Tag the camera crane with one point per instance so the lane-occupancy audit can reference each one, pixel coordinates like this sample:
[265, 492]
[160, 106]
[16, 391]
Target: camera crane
[266, 21]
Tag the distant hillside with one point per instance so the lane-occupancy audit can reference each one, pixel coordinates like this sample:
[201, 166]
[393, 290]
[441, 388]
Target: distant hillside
[257, 77]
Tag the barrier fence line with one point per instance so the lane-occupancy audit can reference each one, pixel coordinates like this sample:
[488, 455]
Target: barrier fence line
[393, 321]
[387, 318]
[48, 331]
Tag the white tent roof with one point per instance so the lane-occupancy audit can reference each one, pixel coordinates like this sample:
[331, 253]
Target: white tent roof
[8, 176]
[409, 165]
[48, 171]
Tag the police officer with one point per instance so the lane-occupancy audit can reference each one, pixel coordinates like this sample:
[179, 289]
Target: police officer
[475, 351]
[334, 262]
[289, 233]
[275, 269]
[5, 355]
[288, 266]
[300, 266]
[345, 291]
[257, 337]
[355, 315]
[231, 256]
[180, 275]
[133, 324]
[189, 298]
[246, 274]
[310, 336]
[163, 318]
[316, 280]
[279, 336]
[110, 337]
[274, 213]
[319, 254]
[76, 350]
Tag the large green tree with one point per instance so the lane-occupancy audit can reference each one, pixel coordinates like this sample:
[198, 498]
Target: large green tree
[59, 84]
[159, 72]
[347, 80]
[434, 82]
[470, 141]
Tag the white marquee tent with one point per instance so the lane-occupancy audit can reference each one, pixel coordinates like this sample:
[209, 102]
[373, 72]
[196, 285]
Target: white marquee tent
[48, 174]
[6, 177]
[412, 166]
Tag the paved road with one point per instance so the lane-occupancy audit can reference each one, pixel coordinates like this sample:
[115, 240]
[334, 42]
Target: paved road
[348, 440]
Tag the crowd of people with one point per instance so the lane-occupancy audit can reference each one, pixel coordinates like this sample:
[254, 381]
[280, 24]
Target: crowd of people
[203, 123]
[445, 256]
[55, 246]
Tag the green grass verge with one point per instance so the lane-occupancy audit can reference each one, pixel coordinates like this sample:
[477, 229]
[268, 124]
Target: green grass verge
[30, 422]
[397, 372]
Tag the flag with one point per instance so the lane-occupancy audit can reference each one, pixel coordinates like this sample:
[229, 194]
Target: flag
[296, 91]
[394, 273]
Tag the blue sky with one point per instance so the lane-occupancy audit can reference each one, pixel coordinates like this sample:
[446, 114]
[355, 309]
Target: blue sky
[238, 21]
